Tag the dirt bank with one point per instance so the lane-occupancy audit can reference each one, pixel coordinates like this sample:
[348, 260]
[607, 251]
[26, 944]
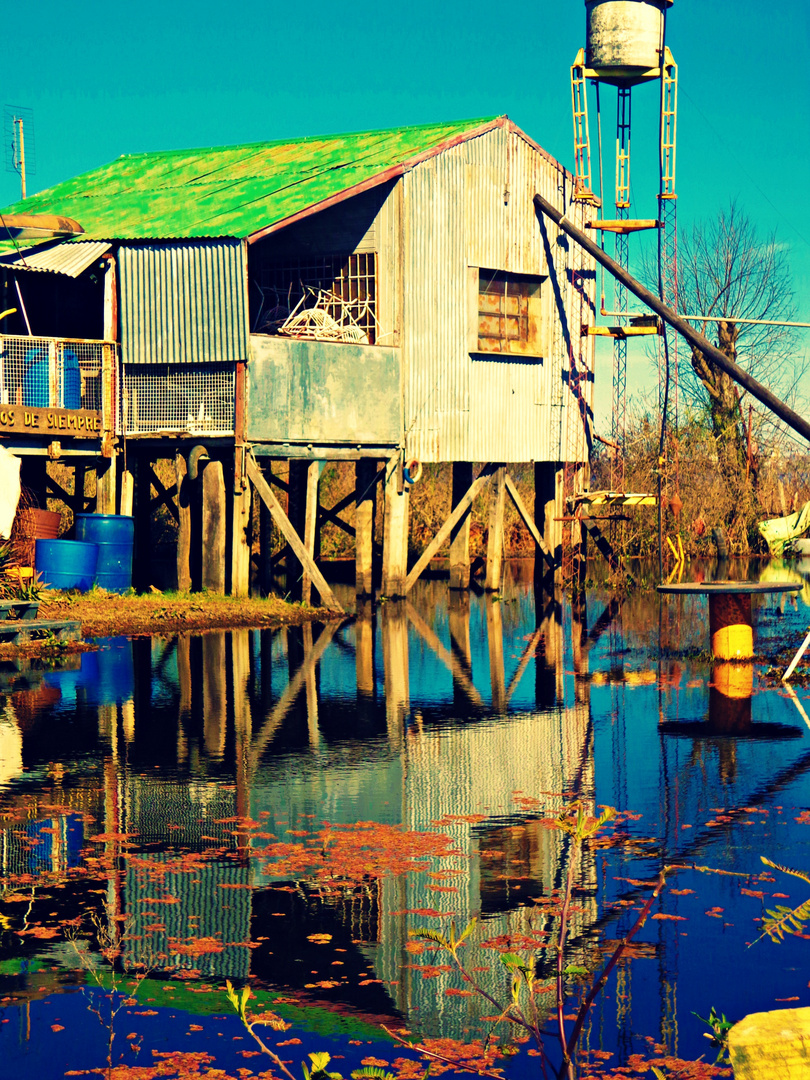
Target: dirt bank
[106, 614]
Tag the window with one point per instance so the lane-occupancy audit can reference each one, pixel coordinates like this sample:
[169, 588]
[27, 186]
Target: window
[509, 314]
[341, 290]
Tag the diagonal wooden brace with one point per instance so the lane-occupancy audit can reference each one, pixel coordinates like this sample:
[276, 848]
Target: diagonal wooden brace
[520, 506]
[461, 510]
[328, 598]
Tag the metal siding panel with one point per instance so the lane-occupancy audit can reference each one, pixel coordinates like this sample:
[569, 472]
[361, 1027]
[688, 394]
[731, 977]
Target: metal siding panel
[70, 258]
[183, 302]
[457, 216]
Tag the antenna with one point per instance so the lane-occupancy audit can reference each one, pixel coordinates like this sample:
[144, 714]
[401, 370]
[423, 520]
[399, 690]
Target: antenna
[18, 138]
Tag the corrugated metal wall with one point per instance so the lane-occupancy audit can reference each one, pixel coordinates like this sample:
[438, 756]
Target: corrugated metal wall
[467, 208]
[183, 302]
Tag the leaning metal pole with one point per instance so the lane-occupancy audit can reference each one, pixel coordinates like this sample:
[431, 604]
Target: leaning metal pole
[756, 389]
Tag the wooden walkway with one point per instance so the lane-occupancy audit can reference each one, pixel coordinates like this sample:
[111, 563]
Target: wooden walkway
[19, 630]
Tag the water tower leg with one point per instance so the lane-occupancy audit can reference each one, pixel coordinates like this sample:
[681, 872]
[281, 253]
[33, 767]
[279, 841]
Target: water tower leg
[460, 535]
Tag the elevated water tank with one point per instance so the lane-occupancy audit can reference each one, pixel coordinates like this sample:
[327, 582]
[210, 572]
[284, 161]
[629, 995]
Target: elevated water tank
[624, 38]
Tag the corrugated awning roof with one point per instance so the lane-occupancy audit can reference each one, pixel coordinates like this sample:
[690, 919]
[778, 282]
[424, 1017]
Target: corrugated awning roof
[241, 191]
[69, 257]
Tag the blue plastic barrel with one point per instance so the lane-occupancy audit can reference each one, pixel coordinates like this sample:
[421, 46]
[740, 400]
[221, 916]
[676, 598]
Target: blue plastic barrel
[114, 534]
[72, 380]
[36, 379]
[67, 564]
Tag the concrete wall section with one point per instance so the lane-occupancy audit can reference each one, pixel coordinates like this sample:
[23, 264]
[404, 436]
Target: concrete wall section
[323, 392]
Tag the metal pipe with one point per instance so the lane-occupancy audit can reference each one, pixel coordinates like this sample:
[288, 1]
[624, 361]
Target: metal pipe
[709, 318]
[694, 337]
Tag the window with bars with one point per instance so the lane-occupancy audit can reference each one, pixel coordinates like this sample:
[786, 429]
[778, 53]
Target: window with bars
[509, 314]
[330, 298]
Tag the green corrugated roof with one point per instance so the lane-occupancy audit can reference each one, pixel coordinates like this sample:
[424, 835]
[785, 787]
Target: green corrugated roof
[233, 190]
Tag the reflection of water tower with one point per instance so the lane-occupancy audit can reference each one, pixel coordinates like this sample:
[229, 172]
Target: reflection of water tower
[626, 46]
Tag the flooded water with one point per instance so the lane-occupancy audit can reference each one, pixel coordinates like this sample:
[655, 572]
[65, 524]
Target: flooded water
[281, 808]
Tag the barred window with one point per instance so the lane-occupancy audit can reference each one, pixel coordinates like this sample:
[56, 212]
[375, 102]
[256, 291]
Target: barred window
[509, 313]
[330, 298]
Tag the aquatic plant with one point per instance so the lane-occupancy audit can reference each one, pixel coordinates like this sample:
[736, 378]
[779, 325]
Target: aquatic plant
[523, 1008]
[784, 920]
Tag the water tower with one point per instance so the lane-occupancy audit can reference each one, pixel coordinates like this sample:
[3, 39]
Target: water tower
[626, 47]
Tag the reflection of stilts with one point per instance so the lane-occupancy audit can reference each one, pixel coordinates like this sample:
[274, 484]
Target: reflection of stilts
[394, 624]
[243, 726]
[549, 651]
[214, 699]
[497, 675]
[462, 681]
[364, 651]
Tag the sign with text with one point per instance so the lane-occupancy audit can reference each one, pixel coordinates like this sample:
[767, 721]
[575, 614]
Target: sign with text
[78, 423]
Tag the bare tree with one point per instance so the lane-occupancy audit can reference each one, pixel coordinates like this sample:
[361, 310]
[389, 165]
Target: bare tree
[729, 271]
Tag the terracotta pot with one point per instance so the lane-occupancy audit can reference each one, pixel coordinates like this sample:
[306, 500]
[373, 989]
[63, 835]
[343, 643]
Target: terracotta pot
[45, 524]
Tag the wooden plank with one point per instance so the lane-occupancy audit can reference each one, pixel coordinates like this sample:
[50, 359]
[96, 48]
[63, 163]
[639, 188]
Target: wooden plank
[605, 549]
[213, 527]
[310, 524]
[26, 629]
[495, 532]
[460, 533]
[184, 524]
[520, 506]
[458, 513]
[328, 598]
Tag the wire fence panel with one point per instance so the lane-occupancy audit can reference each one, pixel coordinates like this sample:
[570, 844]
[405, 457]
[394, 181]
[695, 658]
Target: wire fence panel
[190, 398]
[53, 373]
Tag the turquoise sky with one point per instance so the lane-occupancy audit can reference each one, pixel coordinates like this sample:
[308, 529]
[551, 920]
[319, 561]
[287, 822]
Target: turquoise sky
[104, 80]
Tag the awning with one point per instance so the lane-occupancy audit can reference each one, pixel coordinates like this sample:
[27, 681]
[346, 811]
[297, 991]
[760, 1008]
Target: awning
[63, 257]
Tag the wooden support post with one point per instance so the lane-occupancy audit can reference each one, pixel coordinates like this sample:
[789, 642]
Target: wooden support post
[495, 534]
[296, 512]
[459, 512]
[395, 540]
[213, 527]
[365, 489]
[127, 486]
[79, 483]
[184, 504]
[460, 533]
[105, 485]
[328, 598]
[240, 502]
[265, 548]
[548, 489]
[138, 470]
[311, 535]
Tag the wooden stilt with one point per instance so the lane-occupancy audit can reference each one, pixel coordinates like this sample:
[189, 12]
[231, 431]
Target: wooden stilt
[460, 511]
[395, 541]
[213, 527]
[296, 512]
[311, 536]
[184, 502]
[127, 486]
[547, 511]
[328, 598]
[365, 471]
[105, 485]
[495, 534]
[141, 490]
[79, 482]
[460, 533]
[240, 503]
[265, 548]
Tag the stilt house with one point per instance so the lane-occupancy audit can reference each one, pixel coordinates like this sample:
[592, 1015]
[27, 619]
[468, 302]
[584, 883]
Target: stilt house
[384, 296]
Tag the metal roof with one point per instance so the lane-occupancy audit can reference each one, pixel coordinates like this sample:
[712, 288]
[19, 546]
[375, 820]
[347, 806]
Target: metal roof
[62, 257]
[240, 191]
